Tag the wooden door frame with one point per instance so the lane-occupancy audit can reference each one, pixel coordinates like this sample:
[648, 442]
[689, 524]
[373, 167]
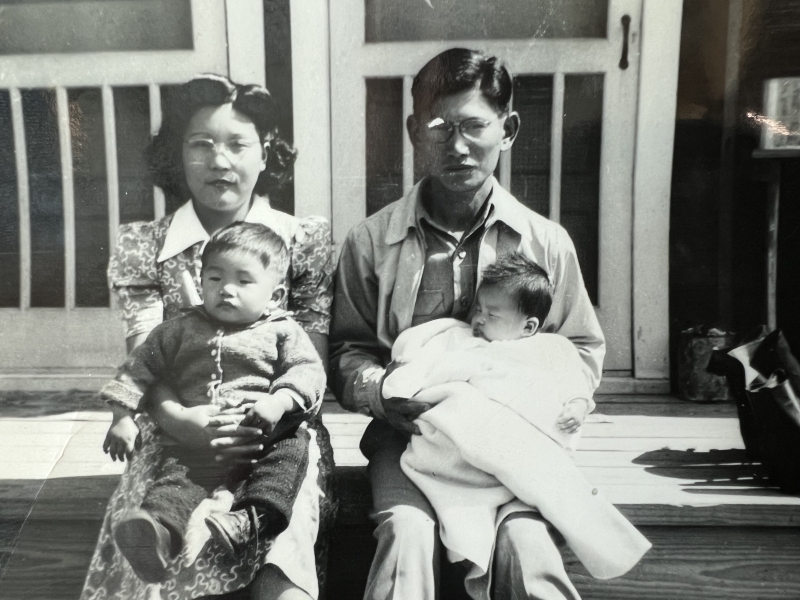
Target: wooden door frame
[652, 170]
[79, 347]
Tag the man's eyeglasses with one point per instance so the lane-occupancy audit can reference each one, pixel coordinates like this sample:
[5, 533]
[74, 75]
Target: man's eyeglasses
[440, 131]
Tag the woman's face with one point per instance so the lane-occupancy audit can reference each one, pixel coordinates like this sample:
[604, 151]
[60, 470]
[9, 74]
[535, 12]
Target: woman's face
[222, 158]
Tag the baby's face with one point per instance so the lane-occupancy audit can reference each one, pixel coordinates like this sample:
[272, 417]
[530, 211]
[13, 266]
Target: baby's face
[497, 317]
[238, 289]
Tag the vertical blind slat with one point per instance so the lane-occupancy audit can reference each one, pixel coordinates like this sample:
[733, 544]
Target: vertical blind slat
[159, 203]
[556, 142]
[408, 149]
[68, 195]
[23, 198]
[112, 173]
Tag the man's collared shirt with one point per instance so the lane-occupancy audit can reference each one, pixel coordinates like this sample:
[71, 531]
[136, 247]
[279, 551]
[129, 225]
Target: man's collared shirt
[380, 273]
[449, 276]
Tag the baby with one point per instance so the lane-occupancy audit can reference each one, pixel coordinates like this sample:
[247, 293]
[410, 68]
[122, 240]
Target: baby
[238, 349]
[506, 400]
[512, 303]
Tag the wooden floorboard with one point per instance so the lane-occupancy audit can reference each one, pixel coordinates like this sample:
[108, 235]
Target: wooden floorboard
[677, 470]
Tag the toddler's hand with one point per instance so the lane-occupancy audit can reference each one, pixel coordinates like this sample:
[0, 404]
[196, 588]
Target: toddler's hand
[571, 418]
[122, 438]
[266, 413]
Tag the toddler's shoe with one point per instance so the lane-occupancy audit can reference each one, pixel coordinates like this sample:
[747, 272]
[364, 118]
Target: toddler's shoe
[146, 543]
[234, 529]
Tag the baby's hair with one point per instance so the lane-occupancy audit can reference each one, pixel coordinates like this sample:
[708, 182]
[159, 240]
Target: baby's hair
[524, 281]
[254, 239]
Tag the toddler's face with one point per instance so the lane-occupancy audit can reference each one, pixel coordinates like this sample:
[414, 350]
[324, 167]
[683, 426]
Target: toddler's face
[498, 318]
[237, 289]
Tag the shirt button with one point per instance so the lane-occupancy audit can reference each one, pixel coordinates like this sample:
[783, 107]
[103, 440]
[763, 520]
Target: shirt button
[594, 492]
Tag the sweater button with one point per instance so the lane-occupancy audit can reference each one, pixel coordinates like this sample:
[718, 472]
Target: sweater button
[213, 352]
[213, 376]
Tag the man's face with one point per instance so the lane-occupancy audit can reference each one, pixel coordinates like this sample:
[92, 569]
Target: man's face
[468, 158]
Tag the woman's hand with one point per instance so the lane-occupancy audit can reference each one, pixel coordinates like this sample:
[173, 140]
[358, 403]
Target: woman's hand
[233, 441]
[205, 426]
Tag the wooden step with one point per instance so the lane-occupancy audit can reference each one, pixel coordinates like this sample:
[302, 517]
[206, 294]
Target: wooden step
[677, 470]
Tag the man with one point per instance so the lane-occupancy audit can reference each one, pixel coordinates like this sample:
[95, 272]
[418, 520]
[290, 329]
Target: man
[419, 259]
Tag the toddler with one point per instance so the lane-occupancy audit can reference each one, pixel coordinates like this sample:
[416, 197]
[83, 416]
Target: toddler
[238, 349]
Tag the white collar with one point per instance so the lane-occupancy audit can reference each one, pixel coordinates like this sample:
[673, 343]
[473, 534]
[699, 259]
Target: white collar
[185, 229]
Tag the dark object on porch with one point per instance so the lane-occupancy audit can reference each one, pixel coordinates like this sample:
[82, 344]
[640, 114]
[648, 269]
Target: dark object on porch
[770, 421]
[695, 381]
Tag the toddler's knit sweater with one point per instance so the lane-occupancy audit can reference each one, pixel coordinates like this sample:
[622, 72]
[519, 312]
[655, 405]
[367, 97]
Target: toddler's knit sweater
[205, 361]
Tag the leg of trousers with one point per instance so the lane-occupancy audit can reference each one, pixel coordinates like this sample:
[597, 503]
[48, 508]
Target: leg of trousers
[182, 481]
[273, 483]
[406, 562]
[528, 563]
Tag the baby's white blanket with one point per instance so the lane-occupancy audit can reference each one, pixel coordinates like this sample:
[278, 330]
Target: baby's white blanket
[490, 443]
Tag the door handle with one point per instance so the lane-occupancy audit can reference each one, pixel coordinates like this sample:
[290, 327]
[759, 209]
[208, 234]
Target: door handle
[626, 29]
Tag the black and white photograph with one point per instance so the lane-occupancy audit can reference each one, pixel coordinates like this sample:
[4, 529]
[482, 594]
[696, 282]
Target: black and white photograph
[399, 299]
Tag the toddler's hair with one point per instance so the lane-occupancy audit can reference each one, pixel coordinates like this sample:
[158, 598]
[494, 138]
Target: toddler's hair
[254, 239]
[526, 282]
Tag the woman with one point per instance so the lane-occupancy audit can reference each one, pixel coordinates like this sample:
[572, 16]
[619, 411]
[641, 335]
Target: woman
[218, 147]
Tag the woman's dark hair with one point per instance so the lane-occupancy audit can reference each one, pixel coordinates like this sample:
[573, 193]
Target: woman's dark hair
[179, 104]
[457, 70]
[524, 281]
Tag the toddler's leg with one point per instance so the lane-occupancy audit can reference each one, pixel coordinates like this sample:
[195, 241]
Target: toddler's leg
[178, 490]
[151, 536]
[263, 501]
[274, 482]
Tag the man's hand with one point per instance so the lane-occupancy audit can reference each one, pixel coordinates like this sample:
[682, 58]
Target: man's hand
[571, 418]
[400, 413]
[122, 437]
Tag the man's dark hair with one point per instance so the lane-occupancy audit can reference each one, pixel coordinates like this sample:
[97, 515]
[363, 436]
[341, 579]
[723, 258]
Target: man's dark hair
[165, 153]
[254, 239]
[524, 281]
[457, 70]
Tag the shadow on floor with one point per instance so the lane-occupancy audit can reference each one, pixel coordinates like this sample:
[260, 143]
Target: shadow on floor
[22, 405]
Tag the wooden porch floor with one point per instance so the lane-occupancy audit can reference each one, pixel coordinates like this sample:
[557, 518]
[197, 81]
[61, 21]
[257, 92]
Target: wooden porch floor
[677, 470]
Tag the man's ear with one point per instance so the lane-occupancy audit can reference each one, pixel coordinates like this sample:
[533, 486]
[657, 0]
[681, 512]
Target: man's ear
[412, 125]
[531, 326]
[278, 294]
[510, 130]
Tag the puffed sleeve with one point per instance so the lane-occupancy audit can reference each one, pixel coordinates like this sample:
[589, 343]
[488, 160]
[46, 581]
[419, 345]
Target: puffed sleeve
[311, 275]
[133, 278]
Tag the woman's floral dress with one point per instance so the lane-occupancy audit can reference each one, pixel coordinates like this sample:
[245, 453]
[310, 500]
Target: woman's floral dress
[151, 287]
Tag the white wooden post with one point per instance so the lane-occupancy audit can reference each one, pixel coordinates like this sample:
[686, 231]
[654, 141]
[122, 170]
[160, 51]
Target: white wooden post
[67, 195]
[246, 60]
[655, 134]
[311, 91]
